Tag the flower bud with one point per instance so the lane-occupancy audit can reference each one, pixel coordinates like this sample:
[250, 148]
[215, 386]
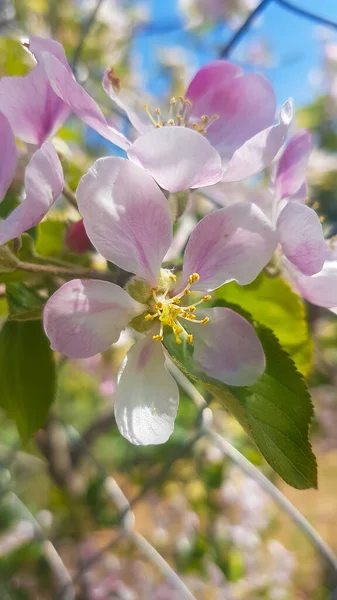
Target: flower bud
[77, 239]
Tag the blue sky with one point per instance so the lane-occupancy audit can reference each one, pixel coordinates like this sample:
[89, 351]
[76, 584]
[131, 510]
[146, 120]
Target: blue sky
[293, 39]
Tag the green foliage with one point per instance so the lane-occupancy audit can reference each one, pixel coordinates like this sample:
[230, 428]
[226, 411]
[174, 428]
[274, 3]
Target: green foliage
[50, 238]
[272, 303]
[27, 375]
[14, 58]
[275, 412]
[8, 262]
[24, 304]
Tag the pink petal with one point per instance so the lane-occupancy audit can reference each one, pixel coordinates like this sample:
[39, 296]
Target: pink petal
[301, 236]
[227, 348]
[258, 152]
[79, 101]
[292, 166]
[8, 156]
[147, 397]
[234, 242]
[34, 111]
[126, 216]
[209, 77]
[245, 105]
[39, 45]
[43, 186]
[140, 124]
[85, 317]
[321, 288]
[178, 158]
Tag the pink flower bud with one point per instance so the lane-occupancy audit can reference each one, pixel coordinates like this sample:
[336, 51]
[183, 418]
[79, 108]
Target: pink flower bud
[77, 239]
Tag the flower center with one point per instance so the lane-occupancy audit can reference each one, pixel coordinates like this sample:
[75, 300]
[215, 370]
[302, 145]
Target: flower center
[168, 311]
[178, 115]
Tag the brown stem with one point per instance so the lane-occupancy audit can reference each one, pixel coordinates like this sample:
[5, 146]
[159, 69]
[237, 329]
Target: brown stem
[68, 273]
[69, 195]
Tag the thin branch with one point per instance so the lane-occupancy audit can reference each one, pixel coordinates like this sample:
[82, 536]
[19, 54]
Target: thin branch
[120, 500]
[250, 470]
[84, 33]
[99, 427]
[57, 566]
[227, 49]
[69, 195]
[302, 12]
[66, 273]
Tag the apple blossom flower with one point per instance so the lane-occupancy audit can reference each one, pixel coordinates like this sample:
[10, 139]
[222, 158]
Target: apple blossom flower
[222, 130]
[43, 184]
[127, 219]
[297, 226]
[35, 109]
[31, 106]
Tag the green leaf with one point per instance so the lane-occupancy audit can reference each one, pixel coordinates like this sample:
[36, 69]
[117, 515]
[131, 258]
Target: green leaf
[275, 412]
[14, 60]
[8, 262]
[273, 303]
[50, 238]
[24, 304]
[27, 375]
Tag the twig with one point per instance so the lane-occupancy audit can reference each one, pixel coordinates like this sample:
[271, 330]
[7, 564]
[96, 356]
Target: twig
[302, 12]
[69, 195]
[57, 566]
[125, 517]
[66, 273]
[247, 467]
[250, 470]
[84, 32]
[102, 425]
[227, 49]
[120, 500]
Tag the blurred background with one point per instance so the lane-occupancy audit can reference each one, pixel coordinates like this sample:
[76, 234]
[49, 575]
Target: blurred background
[69, 488]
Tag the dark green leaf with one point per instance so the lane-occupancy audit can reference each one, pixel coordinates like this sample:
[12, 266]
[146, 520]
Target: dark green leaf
[275, 412]
[27, 375]
[24, 304]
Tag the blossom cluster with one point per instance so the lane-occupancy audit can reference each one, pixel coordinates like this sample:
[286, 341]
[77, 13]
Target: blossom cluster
[222, 131]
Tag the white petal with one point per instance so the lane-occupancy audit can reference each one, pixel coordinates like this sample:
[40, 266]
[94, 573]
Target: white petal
[147, 396]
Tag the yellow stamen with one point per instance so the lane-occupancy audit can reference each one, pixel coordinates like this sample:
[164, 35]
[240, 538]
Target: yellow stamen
[149, 317]
[157, 338]
[204, 321]
[190, 339]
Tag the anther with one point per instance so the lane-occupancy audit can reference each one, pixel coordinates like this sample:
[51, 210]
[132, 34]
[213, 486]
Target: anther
[190, 339]
[173, 101]
[159, 305]
[193, 278]
[157, 338]
[173, 277]
[149, 317]
[204, 321]
[170, 122]
[206, 298]
[192, 309]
